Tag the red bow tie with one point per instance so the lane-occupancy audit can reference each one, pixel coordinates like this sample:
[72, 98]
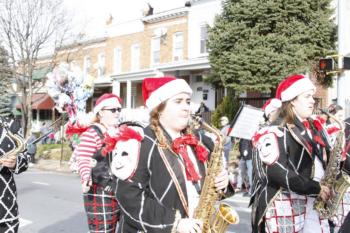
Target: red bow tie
[307, 124]
[180, 147]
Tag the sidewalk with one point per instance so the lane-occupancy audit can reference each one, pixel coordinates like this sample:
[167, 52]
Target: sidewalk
[52, 165]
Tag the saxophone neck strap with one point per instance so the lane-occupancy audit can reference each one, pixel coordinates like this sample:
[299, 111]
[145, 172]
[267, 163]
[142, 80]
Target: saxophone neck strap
[176, 182]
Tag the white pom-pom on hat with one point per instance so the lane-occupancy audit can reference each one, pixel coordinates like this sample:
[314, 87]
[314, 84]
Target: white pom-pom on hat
[271, 105]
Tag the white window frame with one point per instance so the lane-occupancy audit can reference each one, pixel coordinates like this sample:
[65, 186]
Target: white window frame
[203, 38]
[154, 45]
[135, 57]
[117, 61]
[87, 64]
[178, 46]
[101, 64]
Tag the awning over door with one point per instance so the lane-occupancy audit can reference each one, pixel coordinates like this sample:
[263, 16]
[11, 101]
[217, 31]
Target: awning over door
[41, 101]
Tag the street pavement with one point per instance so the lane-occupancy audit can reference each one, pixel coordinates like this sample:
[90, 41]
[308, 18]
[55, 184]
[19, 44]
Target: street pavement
[240, 204]
[50, 201]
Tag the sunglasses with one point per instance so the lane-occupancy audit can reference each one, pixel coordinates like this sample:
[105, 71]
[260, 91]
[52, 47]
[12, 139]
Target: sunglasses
[113, 110]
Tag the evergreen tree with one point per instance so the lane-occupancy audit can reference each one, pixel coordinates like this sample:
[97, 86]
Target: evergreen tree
[254, 44]
[5, 86]
[228, 107]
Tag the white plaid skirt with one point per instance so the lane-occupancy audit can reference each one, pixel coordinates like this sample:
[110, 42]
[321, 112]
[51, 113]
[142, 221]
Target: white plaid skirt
[342, 211]
[286, 214]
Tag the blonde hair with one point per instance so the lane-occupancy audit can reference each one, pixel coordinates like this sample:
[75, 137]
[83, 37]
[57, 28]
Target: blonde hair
[96, 118]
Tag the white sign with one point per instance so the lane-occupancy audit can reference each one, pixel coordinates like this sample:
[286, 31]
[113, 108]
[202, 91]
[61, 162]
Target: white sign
[246, 122]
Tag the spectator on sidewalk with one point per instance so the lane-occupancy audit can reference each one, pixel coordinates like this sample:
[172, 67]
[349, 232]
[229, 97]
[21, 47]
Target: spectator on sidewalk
[225, 127]
[31, 147]
[233, 174]
[202, 109]
[245, 163]
[44, 130]
[51, 138]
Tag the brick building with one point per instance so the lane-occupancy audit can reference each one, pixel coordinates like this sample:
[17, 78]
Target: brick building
[171, 42]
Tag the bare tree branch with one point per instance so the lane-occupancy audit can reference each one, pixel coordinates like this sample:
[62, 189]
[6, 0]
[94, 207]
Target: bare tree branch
[27, 29]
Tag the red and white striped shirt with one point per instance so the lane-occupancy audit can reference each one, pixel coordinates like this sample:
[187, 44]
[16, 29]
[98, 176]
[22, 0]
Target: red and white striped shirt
[90, 142]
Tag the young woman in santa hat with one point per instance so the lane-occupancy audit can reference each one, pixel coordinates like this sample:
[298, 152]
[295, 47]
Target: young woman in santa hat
[289, 164]
[164, 189]
[333, 129]
[98, 184]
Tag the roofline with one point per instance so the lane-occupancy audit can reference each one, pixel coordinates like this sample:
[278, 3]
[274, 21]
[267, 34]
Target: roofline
[84, 43]
[134, 75]
[191, 64]
[164, 15]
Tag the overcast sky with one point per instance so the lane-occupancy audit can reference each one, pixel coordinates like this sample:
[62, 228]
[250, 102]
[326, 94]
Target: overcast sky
[95, 12]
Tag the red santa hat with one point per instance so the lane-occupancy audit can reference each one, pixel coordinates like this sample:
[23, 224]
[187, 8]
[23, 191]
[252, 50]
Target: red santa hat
[157, 90]
[271, 105]
[293, 86]
[110, 100]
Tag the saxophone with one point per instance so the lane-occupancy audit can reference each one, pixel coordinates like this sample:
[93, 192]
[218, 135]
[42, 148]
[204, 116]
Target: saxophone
[19, 142]
[337, 185]
[215, 220]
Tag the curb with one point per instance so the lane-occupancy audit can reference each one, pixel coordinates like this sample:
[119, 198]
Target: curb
[52, 165]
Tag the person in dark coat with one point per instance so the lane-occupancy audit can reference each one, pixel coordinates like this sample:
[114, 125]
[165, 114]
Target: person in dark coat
[162, 193]
[10, 165]
[202, 109]
[31, 147]
[245, 162]
[289, 164]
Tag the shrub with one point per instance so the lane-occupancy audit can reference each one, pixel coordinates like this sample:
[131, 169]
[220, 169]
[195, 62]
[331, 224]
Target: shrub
[53, 151]
[228, 107]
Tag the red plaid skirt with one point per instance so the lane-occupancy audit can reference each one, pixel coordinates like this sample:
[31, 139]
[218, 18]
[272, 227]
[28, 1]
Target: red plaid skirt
[102, 210]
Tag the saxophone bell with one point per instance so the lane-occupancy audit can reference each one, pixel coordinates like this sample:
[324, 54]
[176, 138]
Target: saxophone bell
[225, 216]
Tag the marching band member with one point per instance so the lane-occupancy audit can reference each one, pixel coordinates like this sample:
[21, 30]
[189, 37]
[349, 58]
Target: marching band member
[289, 164]
[333, 128]
[162, 191]
[98, 183]
[14, 164]
[271, 111]
[345, 227]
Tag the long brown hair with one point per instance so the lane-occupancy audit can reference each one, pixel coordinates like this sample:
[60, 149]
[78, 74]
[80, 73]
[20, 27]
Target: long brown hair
[155, 125]
[287, 114]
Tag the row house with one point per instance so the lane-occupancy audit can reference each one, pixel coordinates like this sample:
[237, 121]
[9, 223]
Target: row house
[169, 43]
